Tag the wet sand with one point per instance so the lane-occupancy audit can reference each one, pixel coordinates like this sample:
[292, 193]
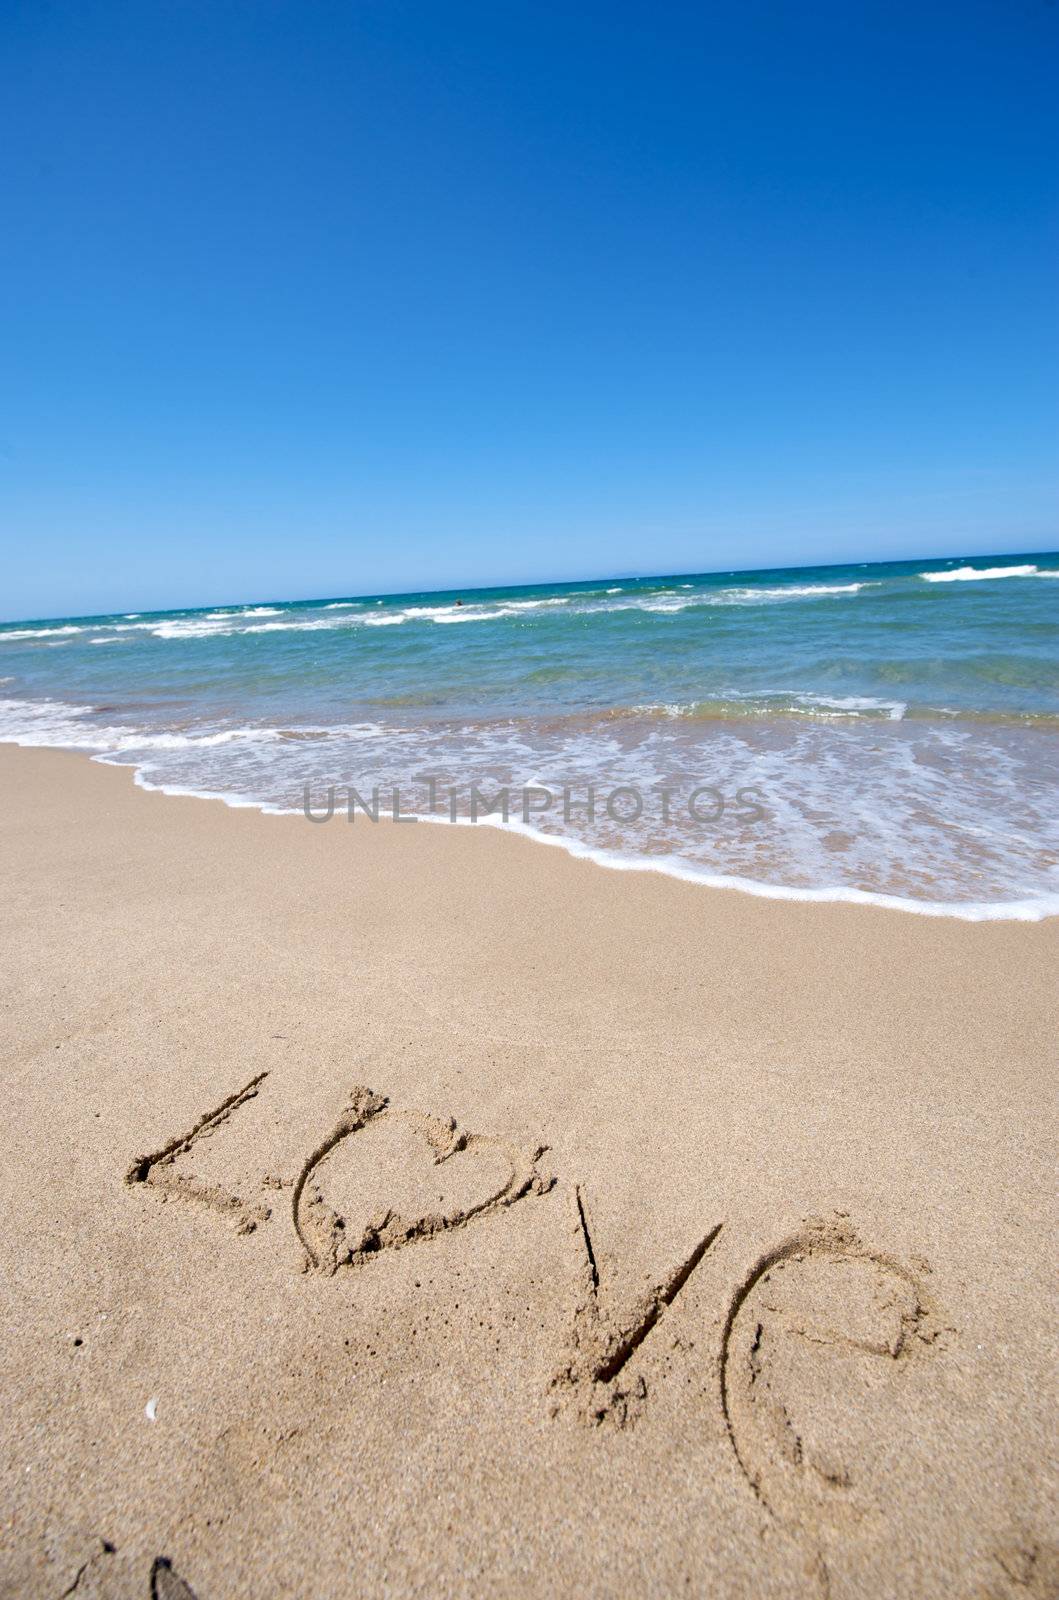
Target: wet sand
[417, 1211]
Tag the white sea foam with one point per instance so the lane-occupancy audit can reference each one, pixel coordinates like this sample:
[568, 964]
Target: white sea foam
[769, 703]
[131, 740]
[750, 595]
[315, 626]
[246, 611]
[216, 624]
[38, 633]
[451, 613]
[948, 815]
[167, 627]
[840, 813]
[472, 614]
[1033, 910]
[673, 601]
[487, 611]
[978, 574]
[219, 625]
[234, 802]
[854, 704]
[45, 722]
[58, 723]
[666, 708]
[666, 605]
[189, 627]
[200, 625]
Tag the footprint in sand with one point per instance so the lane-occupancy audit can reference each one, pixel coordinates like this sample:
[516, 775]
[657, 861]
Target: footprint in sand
[817, 1346]
[384, 1178]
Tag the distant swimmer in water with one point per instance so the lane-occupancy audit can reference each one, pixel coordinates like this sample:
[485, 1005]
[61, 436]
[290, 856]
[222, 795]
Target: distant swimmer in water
[459, 602]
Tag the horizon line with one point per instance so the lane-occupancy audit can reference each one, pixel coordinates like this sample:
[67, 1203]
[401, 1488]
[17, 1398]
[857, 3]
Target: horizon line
[545, 583]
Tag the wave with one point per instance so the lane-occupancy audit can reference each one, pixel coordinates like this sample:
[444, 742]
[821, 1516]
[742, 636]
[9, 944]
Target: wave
[37, 723]
[679, 600]
[855, 705]
[978, 574]
[661, 600]
[744, 595]
[294, 627]
[749, 595]
[61, 724]
[265, 767]
[1036, 910]
[39, 633]
[771, 703]
[216, 624]
[187, 627]
[246, 611]
[208, 625]
[485, 611]
[199, 625]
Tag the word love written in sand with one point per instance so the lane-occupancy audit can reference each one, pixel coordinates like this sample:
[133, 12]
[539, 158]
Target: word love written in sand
[819, 1292]
[338, 1219]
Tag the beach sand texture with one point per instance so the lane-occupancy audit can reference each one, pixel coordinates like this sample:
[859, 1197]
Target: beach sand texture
[417, 1211]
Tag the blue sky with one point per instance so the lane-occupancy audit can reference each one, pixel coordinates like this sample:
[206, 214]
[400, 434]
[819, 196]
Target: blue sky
[318, 298]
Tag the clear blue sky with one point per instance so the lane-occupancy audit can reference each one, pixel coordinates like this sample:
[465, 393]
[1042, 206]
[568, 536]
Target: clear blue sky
[329, 296]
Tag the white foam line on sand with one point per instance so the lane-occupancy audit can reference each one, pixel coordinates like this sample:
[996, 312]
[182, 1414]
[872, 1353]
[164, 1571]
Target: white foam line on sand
[972, 911]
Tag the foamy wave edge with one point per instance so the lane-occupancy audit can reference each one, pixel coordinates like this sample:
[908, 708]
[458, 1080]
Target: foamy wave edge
[969, 574]
[1036, 910]
[665, 866]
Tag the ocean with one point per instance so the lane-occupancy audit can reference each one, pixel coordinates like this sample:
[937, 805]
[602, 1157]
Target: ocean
[885, 732]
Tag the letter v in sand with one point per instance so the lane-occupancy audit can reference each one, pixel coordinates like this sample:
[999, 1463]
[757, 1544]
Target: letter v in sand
[604, 1340]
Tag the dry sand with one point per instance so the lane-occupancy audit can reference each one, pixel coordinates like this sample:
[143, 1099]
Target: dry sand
[550, 1231]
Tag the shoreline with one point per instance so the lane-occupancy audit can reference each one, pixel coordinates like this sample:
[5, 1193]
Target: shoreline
[399, 1213]
[1040, 909]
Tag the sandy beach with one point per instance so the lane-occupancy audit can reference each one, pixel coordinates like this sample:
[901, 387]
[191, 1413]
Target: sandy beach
[417, 1211]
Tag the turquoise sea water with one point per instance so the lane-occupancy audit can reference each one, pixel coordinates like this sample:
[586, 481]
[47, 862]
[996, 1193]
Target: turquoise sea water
[898, 724]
